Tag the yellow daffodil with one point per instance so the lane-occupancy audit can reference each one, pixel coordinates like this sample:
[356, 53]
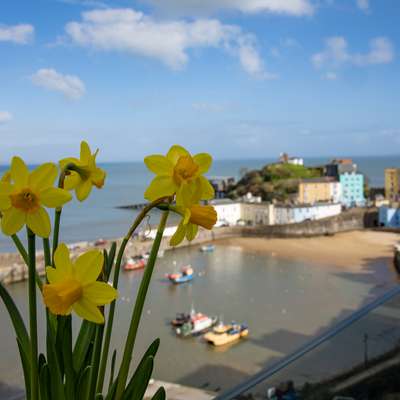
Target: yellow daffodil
[23, 195]
[6, 177]
[86, 175]
[193, 217]
[181, 174]
[74, 285]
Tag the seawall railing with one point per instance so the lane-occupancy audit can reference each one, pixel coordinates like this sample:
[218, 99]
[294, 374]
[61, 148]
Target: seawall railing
[265, 374]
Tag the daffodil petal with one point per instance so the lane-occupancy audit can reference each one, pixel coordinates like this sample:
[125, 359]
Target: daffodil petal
[43, 176]
[6, 177]
[85, 152]
[160, 165]
[186, 216]
[178, 236]
[175, 152]
[83, 190]
[98, 177]
[5, 191]
[204, 161]
[72, 180]
[54, 197]
[100, 293]
[185, 194]
[39, 222]
[207, 191]
[160, 186]
[191, 231]
[12, 221]
[89, 311]
[88, 266]
[62, 260]
[19, 172]
[53, 275]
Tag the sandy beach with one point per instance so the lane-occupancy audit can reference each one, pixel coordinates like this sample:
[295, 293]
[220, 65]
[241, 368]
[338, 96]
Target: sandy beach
[350, 250]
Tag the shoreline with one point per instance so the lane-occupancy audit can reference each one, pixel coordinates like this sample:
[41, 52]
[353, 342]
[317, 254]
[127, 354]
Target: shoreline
[353, 250]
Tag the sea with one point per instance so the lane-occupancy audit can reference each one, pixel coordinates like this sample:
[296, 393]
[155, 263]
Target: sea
[99, 216]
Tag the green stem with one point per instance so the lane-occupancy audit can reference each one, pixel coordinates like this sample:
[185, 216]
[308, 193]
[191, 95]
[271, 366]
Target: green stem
[137, 311]
[110, 321]
[47, 252]
[95, 361]
[56, 230]
[21, 249]
[33, 315]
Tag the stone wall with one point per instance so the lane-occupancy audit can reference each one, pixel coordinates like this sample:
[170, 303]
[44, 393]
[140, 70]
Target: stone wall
[347, 221]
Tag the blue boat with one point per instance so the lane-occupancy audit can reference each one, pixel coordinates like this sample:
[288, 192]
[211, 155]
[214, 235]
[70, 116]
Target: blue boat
[207, 248]
[185, 275]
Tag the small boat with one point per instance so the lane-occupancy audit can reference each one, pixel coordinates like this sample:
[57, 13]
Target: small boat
[198, 324]
[134, 263]
[180, 319]
[225, 334]
[185, 275]
[207, 248]
[100, 242]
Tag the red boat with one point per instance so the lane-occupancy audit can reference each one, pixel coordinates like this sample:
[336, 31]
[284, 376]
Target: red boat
[134, 263]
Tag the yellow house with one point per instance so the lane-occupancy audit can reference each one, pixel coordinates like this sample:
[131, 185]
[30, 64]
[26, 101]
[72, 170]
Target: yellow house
[392, 186]
[315, 190]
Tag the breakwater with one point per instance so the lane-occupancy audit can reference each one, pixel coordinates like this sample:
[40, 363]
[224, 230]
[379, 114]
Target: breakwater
[13, 269]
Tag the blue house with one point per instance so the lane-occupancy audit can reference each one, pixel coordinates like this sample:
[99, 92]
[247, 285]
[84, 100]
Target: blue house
[352, 189]
[389, 216]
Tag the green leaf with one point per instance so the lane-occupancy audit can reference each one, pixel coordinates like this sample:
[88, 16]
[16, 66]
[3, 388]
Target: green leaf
[151, 352]
[82, 345]
[99, 396]
[56, 381]
[44, 380]
[83, 382]
[113, 359]
[138, 384]
[111, 391]
[67, 358]
[26, 367]
[16, 319]
[160, 394]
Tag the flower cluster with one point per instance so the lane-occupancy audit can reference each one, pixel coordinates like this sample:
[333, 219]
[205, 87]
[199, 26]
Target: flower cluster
[180, 174]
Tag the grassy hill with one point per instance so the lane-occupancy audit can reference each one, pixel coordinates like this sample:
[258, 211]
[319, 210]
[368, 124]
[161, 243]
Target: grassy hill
[279, 181]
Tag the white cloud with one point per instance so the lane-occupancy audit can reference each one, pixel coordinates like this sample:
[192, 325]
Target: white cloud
[5, 116]
[331, 76]
[336, 53]
[134, 32]
[196, 7]
[363, 5]
[71, 86]
[21, 34]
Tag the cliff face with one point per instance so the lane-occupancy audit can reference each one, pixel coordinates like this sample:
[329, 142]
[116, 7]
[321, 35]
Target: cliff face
[274, 181]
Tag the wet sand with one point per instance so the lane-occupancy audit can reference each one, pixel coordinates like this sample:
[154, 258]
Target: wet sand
[350, 250]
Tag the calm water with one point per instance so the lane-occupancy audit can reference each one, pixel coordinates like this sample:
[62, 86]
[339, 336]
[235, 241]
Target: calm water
[126, 183]
[284, 303]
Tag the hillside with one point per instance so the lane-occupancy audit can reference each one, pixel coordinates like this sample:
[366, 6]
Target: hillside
[274, 181]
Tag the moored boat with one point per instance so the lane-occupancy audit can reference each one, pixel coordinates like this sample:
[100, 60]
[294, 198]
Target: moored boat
[197, 324]
[134, 263]
[180, 319]
[207, 248]
[225, 334]
[185, 275]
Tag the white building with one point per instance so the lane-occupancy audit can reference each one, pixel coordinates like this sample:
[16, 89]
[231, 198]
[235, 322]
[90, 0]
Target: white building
[286, 214]
[336, 191]
[229, 212]
[295, 161]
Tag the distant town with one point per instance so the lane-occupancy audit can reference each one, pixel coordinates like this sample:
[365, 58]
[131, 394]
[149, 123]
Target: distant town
[288, 192]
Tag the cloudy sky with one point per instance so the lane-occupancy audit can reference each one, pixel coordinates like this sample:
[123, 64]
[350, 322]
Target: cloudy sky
[237, 78]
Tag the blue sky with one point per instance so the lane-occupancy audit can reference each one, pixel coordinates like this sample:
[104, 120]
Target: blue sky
[236, 78]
